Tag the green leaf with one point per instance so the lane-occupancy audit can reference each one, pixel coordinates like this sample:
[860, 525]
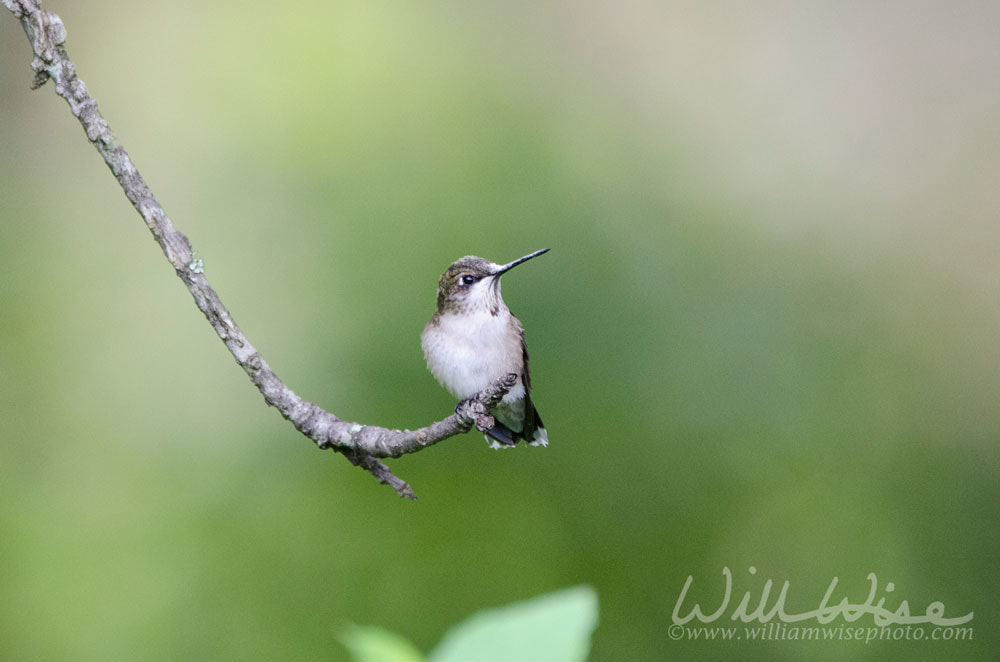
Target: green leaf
[367, 643]
[550, 628]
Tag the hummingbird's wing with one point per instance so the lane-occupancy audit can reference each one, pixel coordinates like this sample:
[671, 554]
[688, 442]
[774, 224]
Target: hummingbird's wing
[531, 420]
[533, 431]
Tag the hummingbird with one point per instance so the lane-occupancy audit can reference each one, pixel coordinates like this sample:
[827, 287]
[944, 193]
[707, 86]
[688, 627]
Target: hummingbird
[473, 340]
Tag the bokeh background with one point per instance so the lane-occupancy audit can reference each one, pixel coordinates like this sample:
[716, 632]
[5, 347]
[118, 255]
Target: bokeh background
[766, 333]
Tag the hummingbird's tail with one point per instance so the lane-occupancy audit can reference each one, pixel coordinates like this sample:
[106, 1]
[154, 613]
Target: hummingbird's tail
[532, 430]
[539, 436]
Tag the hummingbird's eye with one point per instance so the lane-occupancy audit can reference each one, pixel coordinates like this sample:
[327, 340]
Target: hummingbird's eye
[468, 280]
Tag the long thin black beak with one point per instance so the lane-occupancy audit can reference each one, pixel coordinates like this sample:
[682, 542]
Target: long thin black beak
[510, 265]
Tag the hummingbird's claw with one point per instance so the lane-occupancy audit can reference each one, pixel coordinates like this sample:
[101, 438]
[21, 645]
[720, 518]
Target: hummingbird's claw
[472, 409]
[485, 422]
[481, 418]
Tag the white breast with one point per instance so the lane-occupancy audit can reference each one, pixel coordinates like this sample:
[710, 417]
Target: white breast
[468, 352]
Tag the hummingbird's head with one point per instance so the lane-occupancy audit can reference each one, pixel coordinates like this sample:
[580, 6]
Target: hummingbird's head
[473, 283]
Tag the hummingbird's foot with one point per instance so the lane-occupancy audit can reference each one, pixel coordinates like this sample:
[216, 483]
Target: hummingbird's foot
[468, 408]
[485, 422]
[475, 410]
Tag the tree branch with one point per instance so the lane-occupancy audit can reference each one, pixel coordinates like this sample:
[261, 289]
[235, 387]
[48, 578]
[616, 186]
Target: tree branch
[361, 444]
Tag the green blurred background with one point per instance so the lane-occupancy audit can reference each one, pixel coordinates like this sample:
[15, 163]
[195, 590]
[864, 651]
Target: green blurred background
[766, 333]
